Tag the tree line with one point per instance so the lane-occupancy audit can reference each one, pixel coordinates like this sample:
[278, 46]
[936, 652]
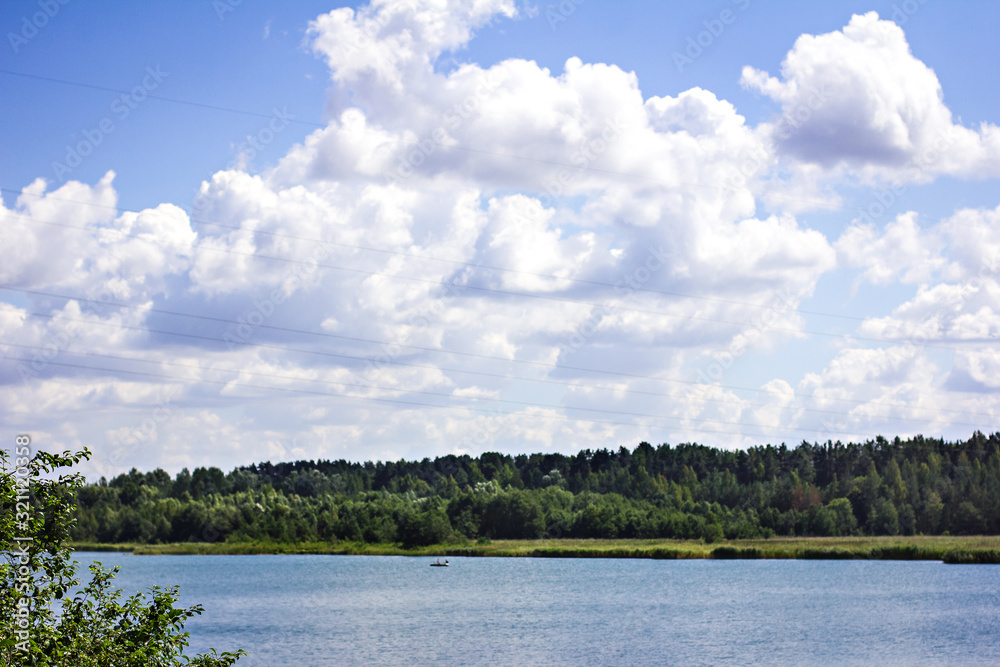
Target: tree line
[690, 491]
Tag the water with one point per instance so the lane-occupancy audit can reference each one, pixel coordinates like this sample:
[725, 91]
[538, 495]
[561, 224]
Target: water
[365, 610]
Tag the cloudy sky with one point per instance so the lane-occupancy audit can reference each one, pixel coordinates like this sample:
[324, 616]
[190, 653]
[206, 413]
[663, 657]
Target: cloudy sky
[232, 232]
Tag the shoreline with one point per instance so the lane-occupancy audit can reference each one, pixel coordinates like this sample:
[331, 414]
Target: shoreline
[974, 549]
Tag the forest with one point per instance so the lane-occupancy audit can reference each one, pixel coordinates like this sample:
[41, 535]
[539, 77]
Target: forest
[689, 491]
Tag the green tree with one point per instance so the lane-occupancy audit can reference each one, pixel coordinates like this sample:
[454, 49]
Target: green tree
[884, 520]
[94, 627]
[894, 483]
[929, 520]
[712, 533]
[844, 522]
[969, 520]
[422, 528]
[830, 489]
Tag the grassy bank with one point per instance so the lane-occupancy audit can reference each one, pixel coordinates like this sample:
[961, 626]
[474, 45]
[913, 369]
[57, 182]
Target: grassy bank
[951, 549]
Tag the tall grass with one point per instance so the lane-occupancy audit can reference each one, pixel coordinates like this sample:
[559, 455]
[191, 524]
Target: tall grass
[950, 549]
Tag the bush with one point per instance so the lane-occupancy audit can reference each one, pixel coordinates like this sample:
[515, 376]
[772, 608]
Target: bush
[963, 557]
[734, 552]
[712, 533]
[420, 529]
[827, 554]
[909, 552]
[95, 627]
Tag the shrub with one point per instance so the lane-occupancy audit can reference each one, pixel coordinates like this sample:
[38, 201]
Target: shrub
[94, 627]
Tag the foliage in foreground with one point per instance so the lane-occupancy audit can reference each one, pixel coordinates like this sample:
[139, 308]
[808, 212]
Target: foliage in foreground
[900, 487]
[94, 626]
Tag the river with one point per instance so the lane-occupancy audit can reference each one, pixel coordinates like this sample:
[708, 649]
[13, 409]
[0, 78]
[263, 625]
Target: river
[388, 610]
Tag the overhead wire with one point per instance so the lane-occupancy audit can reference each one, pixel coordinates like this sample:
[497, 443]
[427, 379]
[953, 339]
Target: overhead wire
[534, 404]
[478, 288]
[468, 264]
[159, 98]
[445, 395]
[570, 165]
[493, 375]
[228, 383]
[474, 265]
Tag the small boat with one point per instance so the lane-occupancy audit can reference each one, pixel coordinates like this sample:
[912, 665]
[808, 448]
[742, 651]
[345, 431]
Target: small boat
[439, 564]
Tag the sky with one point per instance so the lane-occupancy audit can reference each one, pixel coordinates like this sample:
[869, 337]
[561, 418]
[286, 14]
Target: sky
[235, 231]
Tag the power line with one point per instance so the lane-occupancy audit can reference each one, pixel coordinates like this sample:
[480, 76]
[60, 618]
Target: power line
[156, 97]
[609, 308]
[239, 372]
[323, 334]
[503, 376]
[486, 374]
[427, 258]
[577, 167]
[379, 399]
[445, 261]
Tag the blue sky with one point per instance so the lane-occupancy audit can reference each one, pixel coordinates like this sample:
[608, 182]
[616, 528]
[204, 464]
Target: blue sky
[221, 57]
[773, 311]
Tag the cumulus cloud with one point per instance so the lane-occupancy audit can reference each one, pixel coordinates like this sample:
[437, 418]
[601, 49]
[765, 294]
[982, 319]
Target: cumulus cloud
[72, 237]
[902, 251]
[386, 39]
[458, 238]
[950, 312]
[976, 370]
[963, 247]
[859, 97]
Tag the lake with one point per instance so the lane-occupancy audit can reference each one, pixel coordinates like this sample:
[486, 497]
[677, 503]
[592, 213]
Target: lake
[390, 610]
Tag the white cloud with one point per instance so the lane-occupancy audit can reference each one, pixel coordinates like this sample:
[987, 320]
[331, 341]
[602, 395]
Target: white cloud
[384, 48]
[859, 97]
[72, 237]
[384, 229]
[974, 244]
[977, 370]
[902, 251]
[947, 311]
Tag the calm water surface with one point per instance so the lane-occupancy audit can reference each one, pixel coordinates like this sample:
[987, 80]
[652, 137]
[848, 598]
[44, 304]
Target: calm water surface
[386, 610]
